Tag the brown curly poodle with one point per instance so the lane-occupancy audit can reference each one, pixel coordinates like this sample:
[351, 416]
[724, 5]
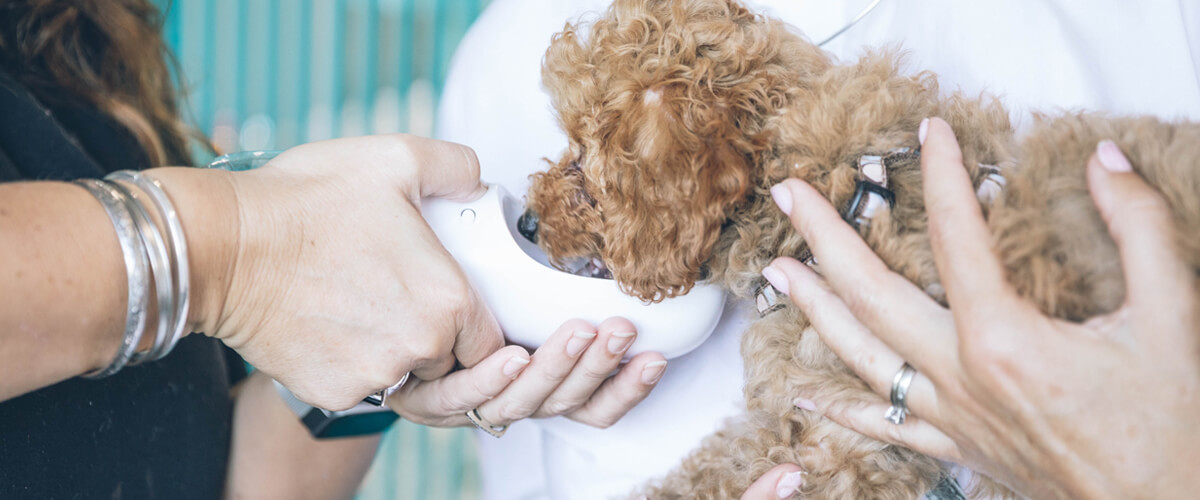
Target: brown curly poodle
[681, 114]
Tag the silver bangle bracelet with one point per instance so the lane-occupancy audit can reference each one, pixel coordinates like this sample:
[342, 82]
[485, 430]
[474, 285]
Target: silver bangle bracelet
[136, 271]
[160, 270]
[176, 244]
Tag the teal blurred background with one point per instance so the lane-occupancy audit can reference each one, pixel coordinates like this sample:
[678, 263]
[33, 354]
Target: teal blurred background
[264, 74]
[269, 74]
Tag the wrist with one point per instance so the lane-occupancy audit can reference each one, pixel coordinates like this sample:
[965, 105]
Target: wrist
[207, 204]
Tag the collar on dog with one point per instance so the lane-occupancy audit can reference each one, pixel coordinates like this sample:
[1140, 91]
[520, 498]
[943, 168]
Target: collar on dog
[871, 196]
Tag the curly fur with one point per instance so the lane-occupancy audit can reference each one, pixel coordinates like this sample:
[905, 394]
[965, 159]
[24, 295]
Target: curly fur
[681, 114]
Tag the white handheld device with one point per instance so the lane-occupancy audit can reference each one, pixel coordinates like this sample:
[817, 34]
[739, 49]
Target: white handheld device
[530, 298]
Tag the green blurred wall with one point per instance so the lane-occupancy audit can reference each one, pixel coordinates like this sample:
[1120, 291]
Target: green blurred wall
[269, 74]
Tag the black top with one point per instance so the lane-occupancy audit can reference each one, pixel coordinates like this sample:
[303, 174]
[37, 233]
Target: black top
[157, 430]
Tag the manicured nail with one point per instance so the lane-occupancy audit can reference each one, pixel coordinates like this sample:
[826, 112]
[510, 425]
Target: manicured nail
[922, 130]
[1112, 158]
[653, 371]
[789, 484]
[776, 278]
[579, 341]
[805, 404]
[619, 341]
[514, 365]
[783, 197]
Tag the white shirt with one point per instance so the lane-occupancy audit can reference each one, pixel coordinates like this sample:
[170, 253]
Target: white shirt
[1107, 55]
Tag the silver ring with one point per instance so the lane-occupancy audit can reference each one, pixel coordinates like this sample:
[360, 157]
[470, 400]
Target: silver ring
[484, 425]
[900, 383]
[380, 397]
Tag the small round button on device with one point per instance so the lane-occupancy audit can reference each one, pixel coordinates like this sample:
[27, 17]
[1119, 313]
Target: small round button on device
[467, 216]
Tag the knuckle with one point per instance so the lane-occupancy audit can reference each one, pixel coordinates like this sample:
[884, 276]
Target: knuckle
[952, 390]
[456, 294]
[480, 389]
[512, 411]
[861, 301]
[985, 343]
[862, 363]
[991, 363]
[595, 372]
[472, 161]
[602, 422]
[553, 376]
[380, 377]
[425, 350]
[556, 407]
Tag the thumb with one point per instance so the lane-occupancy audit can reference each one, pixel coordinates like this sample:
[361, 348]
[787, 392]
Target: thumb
[1142, 226]
[781, 482]
[424, 167]
[447, 170]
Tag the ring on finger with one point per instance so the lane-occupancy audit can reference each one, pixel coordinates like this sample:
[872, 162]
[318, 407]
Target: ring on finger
[380, 397]
[898, 412]
[485, 426]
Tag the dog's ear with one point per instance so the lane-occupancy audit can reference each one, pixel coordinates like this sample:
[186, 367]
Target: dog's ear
[568, 75]
[687, 163]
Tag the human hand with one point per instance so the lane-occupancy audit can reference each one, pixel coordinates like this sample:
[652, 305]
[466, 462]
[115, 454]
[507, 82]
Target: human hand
[331, 282]
[782, 481]
[571, 374]
[1050, 408]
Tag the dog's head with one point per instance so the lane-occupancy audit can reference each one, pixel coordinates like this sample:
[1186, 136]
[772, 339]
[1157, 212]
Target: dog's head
[663, 103]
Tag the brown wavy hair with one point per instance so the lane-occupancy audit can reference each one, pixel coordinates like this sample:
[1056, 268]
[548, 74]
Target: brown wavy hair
[108, 54]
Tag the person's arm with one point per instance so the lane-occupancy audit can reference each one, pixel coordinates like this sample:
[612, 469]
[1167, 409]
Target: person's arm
[317, 268]
[63, 280]
[1118, 421]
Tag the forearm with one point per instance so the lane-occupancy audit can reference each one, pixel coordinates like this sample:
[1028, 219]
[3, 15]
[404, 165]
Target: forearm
[62, 274]
[275, 457]
[63, 282]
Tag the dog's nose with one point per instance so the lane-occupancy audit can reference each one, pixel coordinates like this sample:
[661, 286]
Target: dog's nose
[527, 225]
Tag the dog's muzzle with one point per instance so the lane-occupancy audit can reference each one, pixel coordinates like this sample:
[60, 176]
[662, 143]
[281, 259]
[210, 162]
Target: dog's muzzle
[527, 225]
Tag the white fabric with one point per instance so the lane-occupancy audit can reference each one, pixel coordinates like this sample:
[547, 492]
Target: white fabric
[1110, 55]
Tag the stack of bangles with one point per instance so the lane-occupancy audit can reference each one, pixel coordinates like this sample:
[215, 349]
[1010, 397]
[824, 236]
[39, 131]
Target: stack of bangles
[142, 214]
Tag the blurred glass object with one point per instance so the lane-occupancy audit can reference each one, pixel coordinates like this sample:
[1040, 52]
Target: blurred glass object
[270, 74]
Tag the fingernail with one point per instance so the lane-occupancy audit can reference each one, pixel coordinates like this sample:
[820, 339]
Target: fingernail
[514, 365]
[776, 278]
[619, 341]
[579, 341]
[783, 197]
[922, 130]
[653, 371]
[1112, 158]
[805, 404]
[789, 484]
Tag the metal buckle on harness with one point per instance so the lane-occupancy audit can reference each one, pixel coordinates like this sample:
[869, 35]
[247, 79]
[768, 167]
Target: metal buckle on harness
[871, 192]
[767, 299]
